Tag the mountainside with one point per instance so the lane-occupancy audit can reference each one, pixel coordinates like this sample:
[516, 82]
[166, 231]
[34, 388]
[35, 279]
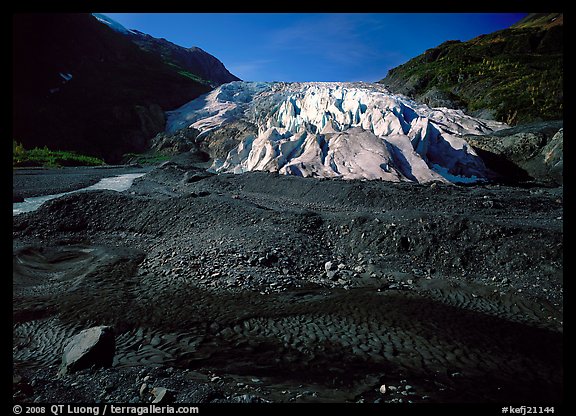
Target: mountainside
[192, 62]
[79, 85]
[514, 75]
[339, 130]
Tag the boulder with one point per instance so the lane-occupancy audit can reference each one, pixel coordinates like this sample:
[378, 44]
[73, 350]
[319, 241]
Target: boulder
[162, 395]
[553, 156]
[92, 347]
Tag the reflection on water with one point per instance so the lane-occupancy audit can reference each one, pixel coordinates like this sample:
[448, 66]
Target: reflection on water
[116, 183]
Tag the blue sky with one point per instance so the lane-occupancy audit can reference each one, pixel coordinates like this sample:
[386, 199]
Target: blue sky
[314, 46]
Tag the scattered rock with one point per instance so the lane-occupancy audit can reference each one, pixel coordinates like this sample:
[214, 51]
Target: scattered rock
[246, 398]
[200, 242]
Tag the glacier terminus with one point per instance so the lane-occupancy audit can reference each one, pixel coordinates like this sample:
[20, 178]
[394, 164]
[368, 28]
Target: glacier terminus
[346, 130]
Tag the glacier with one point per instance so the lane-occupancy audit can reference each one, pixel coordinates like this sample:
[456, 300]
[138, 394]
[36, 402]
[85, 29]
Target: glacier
[347, 130]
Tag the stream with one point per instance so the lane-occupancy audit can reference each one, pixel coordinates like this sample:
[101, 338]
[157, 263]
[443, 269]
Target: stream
[117, 183]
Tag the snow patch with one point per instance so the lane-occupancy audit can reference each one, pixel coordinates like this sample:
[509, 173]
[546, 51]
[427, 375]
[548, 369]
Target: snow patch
[65, 76]
[113, 24]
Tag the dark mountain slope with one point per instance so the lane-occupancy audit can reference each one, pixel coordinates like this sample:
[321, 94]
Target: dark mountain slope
[79, 85]
[513, 75]
[192, 62]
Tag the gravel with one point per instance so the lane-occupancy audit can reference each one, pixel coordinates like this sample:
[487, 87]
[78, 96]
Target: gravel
[322, 290]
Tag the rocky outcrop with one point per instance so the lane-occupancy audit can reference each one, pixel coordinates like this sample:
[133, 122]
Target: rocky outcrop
[524, 153]
[553, 156]
[93, 346]
[178, 142]
[219, 142]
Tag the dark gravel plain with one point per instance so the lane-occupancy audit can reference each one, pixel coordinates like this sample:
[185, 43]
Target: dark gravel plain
[267, 288]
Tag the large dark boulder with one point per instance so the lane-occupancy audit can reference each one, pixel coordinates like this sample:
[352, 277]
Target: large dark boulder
[92, 347]
[530, 152]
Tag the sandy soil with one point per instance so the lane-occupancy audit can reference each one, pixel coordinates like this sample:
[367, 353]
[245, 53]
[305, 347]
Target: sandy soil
[267, 288]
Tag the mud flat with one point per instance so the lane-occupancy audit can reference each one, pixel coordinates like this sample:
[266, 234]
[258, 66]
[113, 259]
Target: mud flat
[267, 288]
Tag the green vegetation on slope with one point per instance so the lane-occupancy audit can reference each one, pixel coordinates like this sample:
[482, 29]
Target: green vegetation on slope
[514, 75]
[186, 73]
[44, 157]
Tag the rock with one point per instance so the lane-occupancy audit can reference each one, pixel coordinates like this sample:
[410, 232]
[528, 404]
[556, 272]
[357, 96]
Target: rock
[181, 141]
[221, 141]
[403, 244]
[328, 266]
[143, 389]
[246, 398]
[92, 347]
[195, 176]
[162, 395]
[268, 259]
[524, 152]
[21, 387]
[435, 97]
[383, 389]
[553, 156]
[332, 274]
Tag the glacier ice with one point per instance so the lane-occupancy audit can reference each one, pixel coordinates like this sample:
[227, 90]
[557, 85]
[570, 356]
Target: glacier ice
[211, 110]
[340, 130]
